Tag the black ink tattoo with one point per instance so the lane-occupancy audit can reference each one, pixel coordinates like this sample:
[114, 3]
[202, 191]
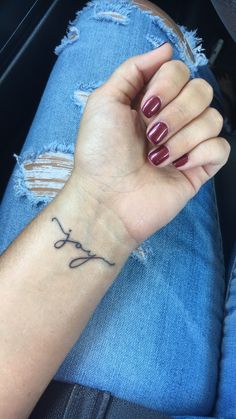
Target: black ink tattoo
[75, 263]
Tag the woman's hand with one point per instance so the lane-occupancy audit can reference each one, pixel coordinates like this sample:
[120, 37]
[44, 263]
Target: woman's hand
[115, 163]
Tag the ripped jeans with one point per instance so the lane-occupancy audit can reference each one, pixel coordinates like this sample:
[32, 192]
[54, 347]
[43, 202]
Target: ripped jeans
[155, 337]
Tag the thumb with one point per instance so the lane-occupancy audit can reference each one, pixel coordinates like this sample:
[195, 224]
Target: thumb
[131, 76]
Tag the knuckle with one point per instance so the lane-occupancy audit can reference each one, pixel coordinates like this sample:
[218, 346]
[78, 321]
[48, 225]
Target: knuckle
[223, 150]
[174, 72]
[169, 84]
[186, 140]
[181, 112]
[216, 118]
[179, 66]
[130, 71]
[166, 66]
[203, 88]
[226, 146]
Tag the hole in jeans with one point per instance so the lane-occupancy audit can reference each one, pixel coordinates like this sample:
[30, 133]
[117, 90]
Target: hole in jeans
[114, 15]
[111, 11]
[46, 175]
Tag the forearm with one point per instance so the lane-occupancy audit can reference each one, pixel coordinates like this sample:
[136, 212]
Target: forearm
[48, 292]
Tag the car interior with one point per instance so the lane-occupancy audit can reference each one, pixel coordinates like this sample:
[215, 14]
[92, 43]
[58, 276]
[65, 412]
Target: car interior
[29, 32]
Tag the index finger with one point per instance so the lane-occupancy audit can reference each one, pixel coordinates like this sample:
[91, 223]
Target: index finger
[164, 86]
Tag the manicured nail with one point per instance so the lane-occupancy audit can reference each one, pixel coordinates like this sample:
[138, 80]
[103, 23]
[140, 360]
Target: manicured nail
[156, 157]
[163, 43]
[151, 106]
[157, 132]
[181, 161]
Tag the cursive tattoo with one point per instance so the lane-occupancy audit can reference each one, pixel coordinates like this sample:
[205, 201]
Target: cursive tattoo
[75, 263]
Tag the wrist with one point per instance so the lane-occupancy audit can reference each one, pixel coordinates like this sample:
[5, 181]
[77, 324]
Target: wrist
[96, 224]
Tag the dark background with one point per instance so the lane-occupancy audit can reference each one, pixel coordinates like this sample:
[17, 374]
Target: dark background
[29, 32]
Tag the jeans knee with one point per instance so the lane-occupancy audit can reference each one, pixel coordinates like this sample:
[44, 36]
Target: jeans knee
[157, 11]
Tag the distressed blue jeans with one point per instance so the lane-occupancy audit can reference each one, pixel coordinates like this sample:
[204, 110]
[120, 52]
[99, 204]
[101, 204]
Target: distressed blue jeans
[155, 337]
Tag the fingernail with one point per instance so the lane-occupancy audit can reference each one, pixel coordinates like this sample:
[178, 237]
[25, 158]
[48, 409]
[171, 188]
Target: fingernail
[163, 43]
[181, 161]
[151, 106]
[156, 157]
[157, 132]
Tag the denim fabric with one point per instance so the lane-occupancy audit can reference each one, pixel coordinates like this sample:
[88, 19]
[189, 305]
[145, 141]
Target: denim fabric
[155, 337]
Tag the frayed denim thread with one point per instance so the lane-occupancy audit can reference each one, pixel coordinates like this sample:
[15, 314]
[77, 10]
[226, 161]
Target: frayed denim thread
[71, 37]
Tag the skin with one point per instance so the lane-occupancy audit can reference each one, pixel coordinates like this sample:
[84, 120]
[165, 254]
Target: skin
[113, 200]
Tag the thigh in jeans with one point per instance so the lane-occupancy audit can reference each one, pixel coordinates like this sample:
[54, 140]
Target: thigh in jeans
[154, 339]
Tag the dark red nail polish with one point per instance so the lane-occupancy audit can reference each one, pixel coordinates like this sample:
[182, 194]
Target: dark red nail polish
[157, 132]
[158, 156]
[151, 106]
[161, 45]
[181, 161]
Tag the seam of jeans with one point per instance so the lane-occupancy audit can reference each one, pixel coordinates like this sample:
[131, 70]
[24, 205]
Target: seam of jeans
[232, 275]
[101, 405]
[218, 222]
[70, 399]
